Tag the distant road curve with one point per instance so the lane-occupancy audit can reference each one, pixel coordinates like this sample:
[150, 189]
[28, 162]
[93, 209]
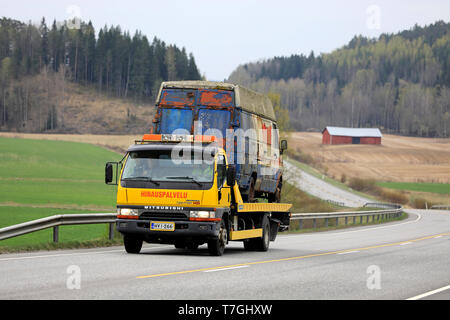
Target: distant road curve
[319, 188]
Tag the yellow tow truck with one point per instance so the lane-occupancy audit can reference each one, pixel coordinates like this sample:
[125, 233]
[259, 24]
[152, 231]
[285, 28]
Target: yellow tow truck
[180, 190]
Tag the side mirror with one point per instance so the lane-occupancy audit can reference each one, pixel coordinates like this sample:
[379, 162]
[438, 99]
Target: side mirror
[108, 173]
[231, 175]
[283, 146]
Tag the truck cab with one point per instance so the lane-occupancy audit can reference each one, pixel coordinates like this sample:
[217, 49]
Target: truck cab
[182, 191]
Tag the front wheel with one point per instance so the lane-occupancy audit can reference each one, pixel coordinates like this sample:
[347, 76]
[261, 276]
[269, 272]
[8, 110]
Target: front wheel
[132, 244]
[216, 247]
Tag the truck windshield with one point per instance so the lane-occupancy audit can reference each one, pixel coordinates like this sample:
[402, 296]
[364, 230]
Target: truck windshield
[157, 165]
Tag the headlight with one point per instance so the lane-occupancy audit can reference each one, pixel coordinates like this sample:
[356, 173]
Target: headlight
[127, 212]
[203, 214]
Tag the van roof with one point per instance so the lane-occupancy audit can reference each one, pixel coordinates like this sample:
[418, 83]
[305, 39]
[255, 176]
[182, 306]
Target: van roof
[246, 99]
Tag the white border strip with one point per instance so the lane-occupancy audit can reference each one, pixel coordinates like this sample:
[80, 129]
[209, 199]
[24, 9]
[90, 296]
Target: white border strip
[230, 268]
[426, 294]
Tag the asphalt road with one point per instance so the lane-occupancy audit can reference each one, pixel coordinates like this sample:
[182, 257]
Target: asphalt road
[321, 189]
[397, 260]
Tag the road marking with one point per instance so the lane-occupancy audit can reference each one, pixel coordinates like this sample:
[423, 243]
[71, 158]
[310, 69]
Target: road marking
[348, 252]
[437, 237]
[71, 254]
[429, 293]
[406, 243]
[288, 259]
[230, 268]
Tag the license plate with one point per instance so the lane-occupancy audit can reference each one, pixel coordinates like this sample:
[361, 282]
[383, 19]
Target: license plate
[162, 226]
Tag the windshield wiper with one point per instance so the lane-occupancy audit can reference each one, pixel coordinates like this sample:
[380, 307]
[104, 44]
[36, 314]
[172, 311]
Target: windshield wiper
[187, 178]
[141, 179]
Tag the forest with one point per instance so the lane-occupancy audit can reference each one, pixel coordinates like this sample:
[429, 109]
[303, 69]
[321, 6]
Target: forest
[399, 83]
[37, 62]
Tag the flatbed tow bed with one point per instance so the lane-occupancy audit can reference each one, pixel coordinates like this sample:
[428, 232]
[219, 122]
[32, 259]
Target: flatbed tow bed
[185, 204]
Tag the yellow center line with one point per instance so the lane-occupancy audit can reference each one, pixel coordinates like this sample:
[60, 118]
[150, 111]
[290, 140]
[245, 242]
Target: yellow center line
[292, 258]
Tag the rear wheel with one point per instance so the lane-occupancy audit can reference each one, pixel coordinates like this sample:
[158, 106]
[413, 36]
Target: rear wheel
[276, 196]
[262, 244]
[132, 244]
[216, 247]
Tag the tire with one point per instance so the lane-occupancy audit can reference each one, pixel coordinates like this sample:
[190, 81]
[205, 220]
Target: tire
[216, 247]
[180, 245]
[192, 246]
[249, 245]
[132, 244]
[275, 197]
[262, 244]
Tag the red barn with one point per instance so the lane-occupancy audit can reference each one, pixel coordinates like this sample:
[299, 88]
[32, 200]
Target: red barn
[337, 135]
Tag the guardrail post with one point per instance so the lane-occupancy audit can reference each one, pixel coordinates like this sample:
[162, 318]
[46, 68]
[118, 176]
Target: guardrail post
[354, 220]
[360, 219]
[111, 230]
[314, 223]
[337, 222]
[326, 222]
[346, 220]
[55, 234]
[300, 223]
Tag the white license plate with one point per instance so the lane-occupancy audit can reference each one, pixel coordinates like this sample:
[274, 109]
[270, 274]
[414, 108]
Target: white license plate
[162, 226]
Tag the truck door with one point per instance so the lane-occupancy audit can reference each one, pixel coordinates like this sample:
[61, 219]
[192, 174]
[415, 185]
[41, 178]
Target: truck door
[224, 193]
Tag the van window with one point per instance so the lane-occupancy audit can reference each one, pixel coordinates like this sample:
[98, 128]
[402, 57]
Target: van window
[173, 119]
[246, 121]
[275, 137]
[214, 119]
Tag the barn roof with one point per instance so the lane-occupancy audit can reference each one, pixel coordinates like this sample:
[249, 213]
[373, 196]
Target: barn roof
[354, 132]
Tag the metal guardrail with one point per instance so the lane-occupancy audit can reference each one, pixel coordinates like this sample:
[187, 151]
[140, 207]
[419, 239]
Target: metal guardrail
[98, 218]
[56, 221]
[389, 210]
[440, 207]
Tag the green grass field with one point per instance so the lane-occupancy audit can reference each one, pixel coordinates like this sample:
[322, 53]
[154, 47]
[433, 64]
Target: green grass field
[440, 188]
[40, 178]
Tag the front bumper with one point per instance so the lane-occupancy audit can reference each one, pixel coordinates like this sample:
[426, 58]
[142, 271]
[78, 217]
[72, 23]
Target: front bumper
[184, 230]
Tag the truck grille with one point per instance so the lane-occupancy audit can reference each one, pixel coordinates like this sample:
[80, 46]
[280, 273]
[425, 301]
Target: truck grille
[163, 216]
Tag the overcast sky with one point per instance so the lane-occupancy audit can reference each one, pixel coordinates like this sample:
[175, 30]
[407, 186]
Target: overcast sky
[225, 34]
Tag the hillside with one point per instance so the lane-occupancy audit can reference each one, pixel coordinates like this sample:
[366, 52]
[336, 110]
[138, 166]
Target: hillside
[79, 109]
[398, 159]
[398, 82]
[63, 79]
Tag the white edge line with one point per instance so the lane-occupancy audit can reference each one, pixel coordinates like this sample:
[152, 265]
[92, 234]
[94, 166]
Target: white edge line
[347, 252]
[221, 269]
[429, 293]
[70, 254]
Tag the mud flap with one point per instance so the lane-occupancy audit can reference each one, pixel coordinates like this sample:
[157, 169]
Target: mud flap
[274, 226]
